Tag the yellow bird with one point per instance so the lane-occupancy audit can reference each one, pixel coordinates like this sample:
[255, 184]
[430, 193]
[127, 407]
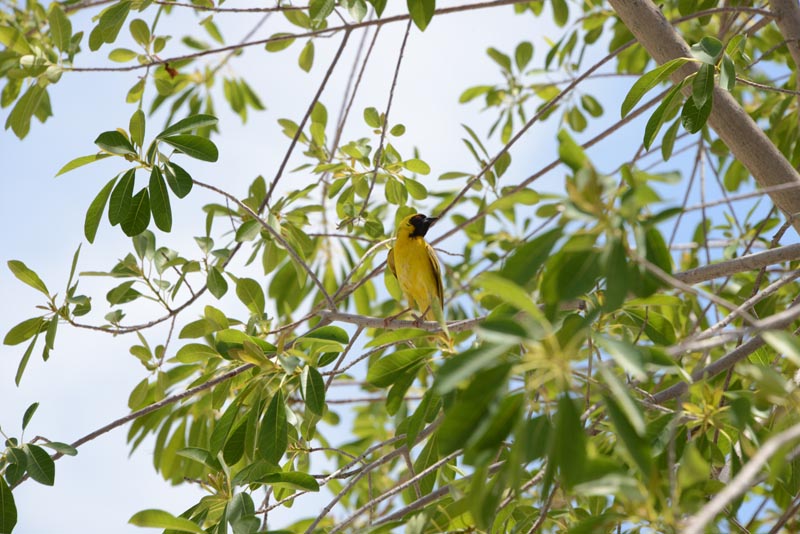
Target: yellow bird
[415, 265]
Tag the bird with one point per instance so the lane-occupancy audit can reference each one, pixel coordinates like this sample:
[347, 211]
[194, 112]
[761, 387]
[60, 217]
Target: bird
[415, 265]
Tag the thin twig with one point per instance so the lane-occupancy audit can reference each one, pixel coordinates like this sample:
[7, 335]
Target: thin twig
[385, 125]
[741, 482]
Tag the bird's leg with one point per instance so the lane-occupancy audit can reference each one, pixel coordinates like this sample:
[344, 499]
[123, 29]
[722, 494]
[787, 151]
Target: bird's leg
[419, 319]
[391, 318]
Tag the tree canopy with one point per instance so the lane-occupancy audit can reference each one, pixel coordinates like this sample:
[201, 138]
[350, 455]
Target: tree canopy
[618, 354]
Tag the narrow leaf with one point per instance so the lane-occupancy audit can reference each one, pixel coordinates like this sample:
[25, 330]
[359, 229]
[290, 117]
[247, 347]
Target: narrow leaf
[159, 200]
[273, 437]
[41, 467]
[190, 123]
[648, 81]
[27, 276]
[164, 520]
[81, 161]
[194, 146]
[421, 12]
[95, 212]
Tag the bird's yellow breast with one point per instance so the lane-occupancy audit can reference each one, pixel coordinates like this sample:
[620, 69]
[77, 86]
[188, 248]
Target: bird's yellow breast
[415, 271]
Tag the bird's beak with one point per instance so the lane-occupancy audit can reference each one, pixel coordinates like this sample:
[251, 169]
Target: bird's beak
[421, 226]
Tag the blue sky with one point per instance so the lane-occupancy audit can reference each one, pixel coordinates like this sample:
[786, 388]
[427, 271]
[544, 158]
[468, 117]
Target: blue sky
[89, 376]
[86, 382]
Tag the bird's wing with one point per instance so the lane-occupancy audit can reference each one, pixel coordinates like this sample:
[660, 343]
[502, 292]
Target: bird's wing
[437, 272]
[390, 261]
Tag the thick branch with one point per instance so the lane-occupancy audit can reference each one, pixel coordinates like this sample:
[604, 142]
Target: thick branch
[739, 132]
[787, 17]
[738, 265]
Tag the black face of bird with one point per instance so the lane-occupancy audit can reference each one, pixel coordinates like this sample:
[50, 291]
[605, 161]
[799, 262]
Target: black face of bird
[421, 223]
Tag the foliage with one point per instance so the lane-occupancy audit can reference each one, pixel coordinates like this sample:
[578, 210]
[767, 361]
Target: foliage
[585, 387]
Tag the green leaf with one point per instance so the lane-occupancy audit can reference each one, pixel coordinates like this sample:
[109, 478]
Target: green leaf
[8, 509]
[571, 274]
[648, 81]
[140, 32]
[24, 330]
[137, 127]
[192, 122]
[223, 427]
[251, 294]
[201, 456]
[164, 520]
[417, 166]
[703, 85]
[138, 216]
[500, 58]
[467, 364]
[159, 200]
[656, 120]
[306, 58]
[60, 27]
[217, 284]
[14, 40]
[708, 50]
[372, 117]
[19, 120]
[627, 356]
[521, 267]
[121, 55]
[727, 73]
[571, 153]
[27, 276]
[26, 418]
[195, 352]
[421, 12]
[95, 212]
[63, 448]
[379, 6]
[329, 333]
[178, 180]
[319, 10]
[314, 390]
[415, 189]
[284, 42]
[111, 21]
[292, 480]
[630, 439]
[41, 467]
[23, 362]
[501, 423]
[273, 436]
[115, 143]
[591, 105]
[560, 12]
[468, 413]
[624, 402]
[81, 161]
[569, 445]
[384, 372]
[668, 141]
[194, 146]
[615, 261]
[523, 54]
[784, 343]
[474, 92]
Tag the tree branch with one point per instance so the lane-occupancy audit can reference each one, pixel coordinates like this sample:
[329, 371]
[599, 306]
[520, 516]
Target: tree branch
[741, 134]
[741, 482]
[738, 265]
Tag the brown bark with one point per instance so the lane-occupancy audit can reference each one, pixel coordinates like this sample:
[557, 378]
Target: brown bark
[739, 132]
